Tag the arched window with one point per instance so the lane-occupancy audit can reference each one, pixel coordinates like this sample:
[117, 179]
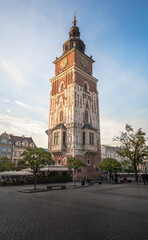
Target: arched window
[86, 116]
[86, 87]
[61, 116]
[62, 87]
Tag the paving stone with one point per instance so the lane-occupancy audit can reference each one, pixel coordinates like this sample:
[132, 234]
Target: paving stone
[104, 212]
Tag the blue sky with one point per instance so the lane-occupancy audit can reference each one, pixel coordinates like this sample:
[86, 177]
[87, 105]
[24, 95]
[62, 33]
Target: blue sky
[31, 36]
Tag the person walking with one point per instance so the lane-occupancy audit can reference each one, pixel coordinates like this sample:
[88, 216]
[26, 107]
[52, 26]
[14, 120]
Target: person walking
[144, 178]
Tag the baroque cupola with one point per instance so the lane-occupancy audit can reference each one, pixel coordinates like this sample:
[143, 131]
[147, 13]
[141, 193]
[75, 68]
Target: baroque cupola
[74, 39]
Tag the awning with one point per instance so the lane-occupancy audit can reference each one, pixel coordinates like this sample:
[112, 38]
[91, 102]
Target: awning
[15, 173]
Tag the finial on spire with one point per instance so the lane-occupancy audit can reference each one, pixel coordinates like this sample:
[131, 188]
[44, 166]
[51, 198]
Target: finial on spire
[74, 20]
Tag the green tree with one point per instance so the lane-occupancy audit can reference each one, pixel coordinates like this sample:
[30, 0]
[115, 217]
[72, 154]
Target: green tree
[35, 159]
[6, 165]
[133, 148]
[127, 167]
[73, 164]
[111, 165]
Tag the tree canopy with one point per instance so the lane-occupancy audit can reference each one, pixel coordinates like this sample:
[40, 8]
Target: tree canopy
[36, 159]
[74, 163]
[6, 165]
[133, 147]
[110, 164]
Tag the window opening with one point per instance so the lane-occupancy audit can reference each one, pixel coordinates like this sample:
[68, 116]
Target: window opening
[83, 137]
[64, 137]
[86, 116]
[59, 161]
[61, 116]
[85, 87]
[91, 138]
[88, 161]
[56, 138]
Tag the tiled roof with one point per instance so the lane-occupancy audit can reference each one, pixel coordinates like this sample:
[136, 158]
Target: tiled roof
[15, 139]
[89, 127]
[60, 125]
[4, 135]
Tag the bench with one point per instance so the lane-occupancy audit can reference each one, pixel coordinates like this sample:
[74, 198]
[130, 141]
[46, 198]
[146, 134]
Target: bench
[127, 181]
[56, 187]
[92, 182]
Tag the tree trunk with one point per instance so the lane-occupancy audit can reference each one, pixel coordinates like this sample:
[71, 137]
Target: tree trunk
[35, 180]
[74, 178]
[110, 176]
[136, 174]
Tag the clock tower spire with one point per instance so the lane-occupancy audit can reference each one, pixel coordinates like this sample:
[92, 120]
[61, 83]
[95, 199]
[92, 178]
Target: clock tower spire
[74, 37]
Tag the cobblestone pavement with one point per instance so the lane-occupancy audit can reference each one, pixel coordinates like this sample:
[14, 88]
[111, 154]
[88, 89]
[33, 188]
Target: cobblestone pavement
[104, 212]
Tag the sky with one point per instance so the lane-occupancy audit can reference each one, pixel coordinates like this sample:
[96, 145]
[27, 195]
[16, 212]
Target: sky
[32, 33]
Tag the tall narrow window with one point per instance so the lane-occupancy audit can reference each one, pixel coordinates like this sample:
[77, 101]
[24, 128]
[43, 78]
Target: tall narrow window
[85, 87]
[62, 87]
[61, 116]
[56, 138]
[92, 135]
[83, 137]
[64, 138]
[86, 116]
[59, 161]
[91, 138]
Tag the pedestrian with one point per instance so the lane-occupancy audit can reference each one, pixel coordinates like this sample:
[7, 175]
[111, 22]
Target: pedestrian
[144, 178]
[88, 181]
[83, 182]
[125, 179]
[116, 178]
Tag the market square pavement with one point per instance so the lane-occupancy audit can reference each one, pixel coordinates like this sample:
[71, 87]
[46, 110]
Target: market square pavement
[104, 212]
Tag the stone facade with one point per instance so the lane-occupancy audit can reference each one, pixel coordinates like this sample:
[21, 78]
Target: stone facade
[74, 128]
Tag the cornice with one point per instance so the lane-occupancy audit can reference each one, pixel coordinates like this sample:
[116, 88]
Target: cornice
[74, 68]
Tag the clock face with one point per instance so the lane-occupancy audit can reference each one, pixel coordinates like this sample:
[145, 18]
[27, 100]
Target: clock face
[63, 63]
[83, 62]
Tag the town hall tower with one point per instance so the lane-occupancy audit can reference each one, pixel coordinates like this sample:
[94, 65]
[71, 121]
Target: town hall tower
[74, 128]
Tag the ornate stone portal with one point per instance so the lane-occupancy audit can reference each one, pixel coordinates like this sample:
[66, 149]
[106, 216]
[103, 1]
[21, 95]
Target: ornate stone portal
[74, 128]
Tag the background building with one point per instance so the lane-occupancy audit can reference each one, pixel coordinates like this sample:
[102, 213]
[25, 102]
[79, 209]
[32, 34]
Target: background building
[110, 152]
[5, 146]
[20, 144]
[13, 146]
[74, 128]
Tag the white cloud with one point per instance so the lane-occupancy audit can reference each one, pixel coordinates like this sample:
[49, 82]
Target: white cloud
[23, 104]
[8, 110]
[38, 110]
[28, 127]
[13, 71]
[111, 127]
